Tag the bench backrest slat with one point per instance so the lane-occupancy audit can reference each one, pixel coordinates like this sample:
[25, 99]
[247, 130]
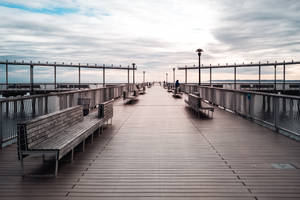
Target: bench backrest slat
[37, 130]
[194, 100]
[105, 110]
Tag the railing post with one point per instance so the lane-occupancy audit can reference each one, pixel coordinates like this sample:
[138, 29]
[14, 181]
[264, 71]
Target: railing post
[210, 77]
[275, 111]
[40, 106]
[79, 76]
[275, 81]
[251, 101]
[46, 105]
[22, 107]
[234, 77]
[245, 105]
[214, 96]
[55, 77]
[31, 78]
[185, 75]
[1, 132]
[259, 76]
[33, 100]
[7, 108]
[234, 101]
[128, 80]
[103, 78]
[283, 86]
[71, 100]
[15, 107]
[6, 74]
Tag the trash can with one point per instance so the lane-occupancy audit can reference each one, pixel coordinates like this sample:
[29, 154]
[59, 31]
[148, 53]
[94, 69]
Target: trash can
[100, 111]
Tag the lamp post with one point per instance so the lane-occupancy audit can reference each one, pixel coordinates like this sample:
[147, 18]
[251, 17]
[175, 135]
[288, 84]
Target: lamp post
[144, 76]
[133, 78]
[199, 51]
[166, 78]
[174, 75]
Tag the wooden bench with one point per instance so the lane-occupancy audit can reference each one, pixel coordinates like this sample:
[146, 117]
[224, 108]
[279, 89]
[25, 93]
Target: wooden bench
[170, 88]
[177, 93]
[196, 104]
[142, 90]
[130, 96]
[58, 133]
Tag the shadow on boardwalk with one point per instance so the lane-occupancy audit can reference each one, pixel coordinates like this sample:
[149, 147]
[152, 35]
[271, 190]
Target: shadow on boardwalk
[157, 149]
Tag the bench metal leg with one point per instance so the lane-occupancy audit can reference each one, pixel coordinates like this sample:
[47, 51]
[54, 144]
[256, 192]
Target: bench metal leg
[72, 156]
[100, 130]
[92, 138]
[83, 145]
[22, 164]
[56, 166]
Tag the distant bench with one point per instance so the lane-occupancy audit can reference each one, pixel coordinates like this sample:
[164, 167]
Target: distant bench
[141, 89]
[170, 88]
[130, 96]
[196, 103]
[176, 92]
[58, 133]
[23, 86]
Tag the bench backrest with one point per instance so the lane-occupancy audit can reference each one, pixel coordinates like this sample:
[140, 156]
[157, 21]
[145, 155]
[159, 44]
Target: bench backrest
[105, 110]
[39, 129]
[125, 95]
[194, 100]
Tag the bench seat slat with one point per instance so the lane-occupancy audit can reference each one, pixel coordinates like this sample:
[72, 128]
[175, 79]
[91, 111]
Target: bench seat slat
[70, 137]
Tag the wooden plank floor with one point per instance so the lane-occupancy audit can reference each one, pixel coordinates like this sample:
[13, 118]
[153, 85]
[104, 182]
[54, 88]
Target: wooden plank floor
[157, 149]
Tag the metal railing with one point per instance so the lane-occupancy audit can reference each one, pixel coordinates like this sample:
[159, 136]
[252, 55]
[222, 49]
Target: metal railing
[16, 109]
[278, 112]
[52, 86]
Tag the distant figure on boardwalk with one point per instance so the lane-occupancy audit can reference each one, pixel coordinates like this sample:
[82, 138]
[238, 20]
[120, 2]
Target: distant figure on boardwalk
[176, 86]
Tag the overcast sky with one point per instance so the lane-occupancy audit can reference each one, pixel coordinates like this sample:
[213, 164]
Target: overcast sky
[156, 34]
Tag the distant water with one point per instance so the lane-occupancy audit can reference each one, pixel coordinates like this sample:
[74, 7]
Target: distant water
[253, 81]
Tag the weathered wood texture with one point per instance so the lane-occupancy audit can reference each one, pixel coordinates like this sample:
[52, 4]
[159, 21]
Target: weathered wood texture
[42, 128]
[156, 149]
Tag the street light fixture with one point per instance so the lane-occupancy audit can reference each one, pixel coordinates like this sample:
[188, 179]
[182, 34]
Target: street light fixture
[199, 51]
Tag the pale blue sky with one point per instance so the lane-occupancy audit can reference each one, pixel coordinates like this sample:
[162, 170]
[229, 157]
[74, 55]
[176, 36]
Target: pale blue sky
[157, 35]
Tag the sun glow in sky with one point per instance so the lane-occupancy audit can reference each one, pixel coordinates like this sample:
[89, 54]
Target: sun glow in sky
[157, 35]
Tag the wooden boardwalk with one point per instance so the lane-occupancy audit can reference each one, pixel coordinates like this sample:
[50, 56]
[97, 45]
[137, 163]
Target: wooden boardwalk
[157, 149]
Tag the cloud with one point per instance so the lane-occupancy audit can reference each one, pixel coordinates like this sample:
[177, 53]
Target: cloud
[157, 35]
[260, 29]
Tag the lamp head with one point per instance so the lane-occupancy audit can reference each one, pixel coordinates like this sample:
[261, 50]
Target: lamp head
[199, 51]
